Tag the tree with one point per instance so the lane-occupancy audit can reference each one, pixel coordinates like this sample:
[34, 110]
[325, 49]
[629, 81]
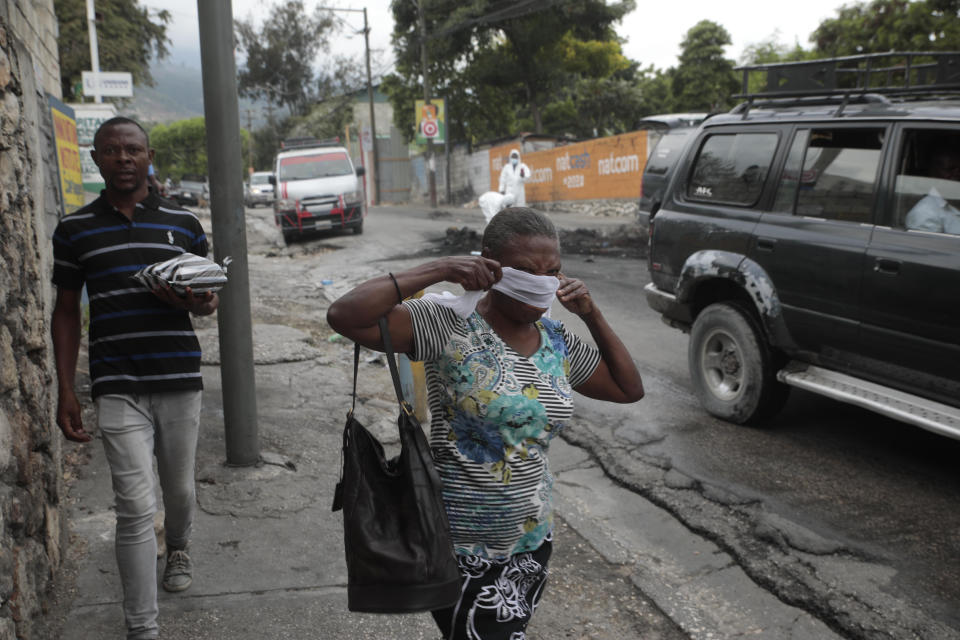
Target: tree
[502, 66]
[704, 79]
[127, 38]
[770, 51]
[181, 147]
[890, 25]
[572, 40]
[280, 57]
[474, 109]
[656, 92]
[326, 120]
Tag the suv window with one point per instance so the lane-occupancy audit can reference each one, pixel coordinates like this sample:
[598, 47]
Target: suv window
[320, 165]
[831, 173]
[927, 186]
[731, 168]
[666, 151]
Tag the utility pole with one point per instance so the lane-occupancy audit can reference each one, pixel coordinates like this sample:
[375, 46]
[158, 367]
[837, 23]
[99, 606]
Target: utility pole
[94, 50]
[446, 153]
[373, 120]
[250, 166]
[222, 116]
[431, 167]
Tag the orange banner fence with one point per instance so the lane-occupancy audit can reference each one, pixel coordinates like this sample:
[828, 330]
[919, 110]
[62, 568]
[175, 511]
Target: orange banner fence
[605, 168]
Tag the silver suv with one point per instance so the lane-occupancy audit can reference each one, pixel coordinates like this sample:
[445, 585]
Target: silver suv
[258, 189]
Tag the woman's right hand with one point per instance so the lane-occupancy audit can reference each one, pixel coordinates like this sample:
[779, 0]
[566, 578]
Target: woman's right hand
[472, 272]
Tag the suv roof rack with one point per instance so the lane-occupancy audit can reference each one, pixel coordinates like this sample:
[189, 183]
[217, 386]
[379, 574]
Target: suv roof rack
[303, 143]
[912, 73]
[809, 101]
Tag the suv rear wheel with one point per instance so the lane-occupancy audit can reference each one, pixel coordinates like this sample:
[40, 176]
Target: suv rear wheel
[732, 368]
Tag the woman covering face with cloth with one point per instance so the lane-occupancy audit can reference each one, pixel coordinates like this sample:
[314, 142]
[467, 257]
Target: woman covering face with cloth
[500, 376]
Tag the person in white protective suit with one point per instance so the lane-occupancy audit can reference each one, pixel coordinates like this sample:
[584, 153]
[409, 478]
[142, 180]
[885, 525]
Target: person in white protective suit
[512, 177]
[491, 203]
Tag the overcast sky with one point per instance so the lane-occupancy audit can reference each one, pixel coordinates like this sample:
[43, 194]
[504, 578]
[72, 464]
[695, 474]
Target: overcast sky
[653, 31]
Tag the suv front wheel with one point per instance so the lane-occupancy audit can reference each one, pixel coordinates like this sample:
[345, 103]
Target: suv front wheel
[732, 368]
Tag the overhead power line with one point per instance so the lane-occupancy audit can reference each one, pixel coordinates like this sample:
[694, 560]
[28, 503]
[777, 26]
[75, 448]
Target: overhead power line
[510, 10]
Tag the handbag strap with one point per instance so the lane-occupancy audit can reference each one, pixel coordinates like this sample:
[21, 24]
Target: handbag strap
[392, 362]
[356, 367]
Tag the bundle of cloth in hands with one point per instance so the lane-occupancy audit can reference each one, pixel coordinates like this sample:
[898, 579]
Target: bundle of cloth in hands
[186, 270]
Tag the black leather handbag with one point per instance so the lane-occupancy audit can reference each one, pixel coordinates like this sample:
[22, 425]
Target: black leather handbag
[396, 536]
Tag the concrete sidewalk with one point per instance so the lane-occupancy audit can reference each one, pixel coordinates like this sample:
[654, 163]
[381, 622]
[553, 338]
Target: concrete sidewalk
[267, 550]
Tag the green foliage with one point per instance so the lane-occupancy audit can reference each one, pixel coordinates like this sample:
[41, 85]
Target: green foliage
[557, 66]
[890, 25]
[181, 147]
[590, 58]
[281, 58]
[128, 37]
[503, 67]
[266, 141]
[656, 92]
[704, 79]
[325, 120]
[770, 51]
[594, 107]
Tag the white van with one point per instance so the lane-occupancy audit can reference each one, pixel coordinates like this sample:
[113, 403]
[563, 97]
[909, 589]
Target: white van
[317, 188]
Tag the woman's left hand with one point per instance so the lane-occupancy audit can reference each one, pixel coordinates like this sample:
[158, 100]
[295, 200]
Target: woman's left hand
[574, 296]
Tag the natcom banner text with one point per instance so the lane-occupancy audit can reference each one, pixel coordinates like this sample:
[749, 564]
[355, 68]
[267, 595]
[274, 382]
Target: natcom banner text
[606, 168]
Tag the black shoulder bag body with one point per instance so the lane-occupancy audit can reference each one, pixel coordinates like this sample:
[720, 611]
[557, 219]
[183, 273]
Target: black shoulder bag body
[396, 536]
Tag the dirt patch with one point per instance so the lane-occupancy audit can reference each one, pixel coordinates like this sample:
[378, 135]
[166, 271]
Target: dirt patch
[304, 247]
[623, 241]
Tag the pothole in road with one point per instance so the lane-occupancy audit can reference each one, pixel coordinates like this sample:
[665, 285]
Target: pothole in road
[305, 248]
[623, 241]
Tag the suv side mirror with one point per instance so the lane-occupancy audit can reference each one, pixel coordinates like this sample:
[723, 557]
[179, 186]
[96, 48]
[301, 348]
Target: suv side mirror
[360, 171]
[273, 179]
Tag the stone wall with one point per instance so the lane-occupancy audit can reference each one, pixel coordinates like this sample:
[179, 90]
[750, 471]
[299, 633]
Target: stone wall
[31, 485]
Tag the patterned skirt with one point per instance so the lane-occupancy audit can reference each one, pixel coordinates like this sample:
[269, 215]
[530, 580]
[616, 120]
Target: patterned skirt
[498, 598]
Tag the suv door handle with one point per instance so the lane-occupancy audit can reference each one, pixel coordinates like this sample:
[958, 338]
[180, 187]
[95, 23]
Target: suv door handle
[887, 266]
[766, 244]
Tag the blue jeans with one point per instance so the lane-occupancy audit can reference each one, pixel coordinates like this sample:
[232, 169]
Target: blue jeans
[134, 430]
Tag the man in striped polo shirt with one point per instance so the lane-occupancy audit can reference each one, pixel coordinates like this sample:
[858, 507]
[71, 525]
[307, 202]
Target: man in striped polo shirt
[144, 360]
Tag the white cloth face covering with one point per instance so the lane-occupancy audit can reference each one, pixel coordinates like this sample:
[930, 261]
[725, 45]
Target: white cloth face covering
[537, 291]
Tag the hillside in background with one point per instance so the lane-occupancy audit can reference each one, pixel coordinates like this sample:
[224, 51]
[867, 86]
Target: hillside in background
[178, 95]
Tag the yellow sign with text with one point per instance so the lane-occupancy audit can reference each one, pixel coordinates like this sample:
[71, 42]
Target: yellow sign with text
[68, 156]
[605, 168]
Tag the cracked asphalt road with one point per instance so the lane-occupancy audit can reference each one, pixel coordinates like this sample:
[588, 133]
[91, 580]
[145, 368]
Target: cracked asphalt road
[828, 522]
[848, 516]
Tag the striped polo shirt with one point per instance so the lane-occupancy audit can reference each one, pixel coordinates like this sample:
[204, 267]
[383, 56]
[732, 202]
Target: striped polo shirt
[493, 413]
[138, 344]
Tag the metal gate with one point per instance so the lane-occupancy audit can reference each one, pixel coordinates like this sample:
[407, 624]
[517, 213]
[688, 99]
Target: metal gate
[394, 169]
